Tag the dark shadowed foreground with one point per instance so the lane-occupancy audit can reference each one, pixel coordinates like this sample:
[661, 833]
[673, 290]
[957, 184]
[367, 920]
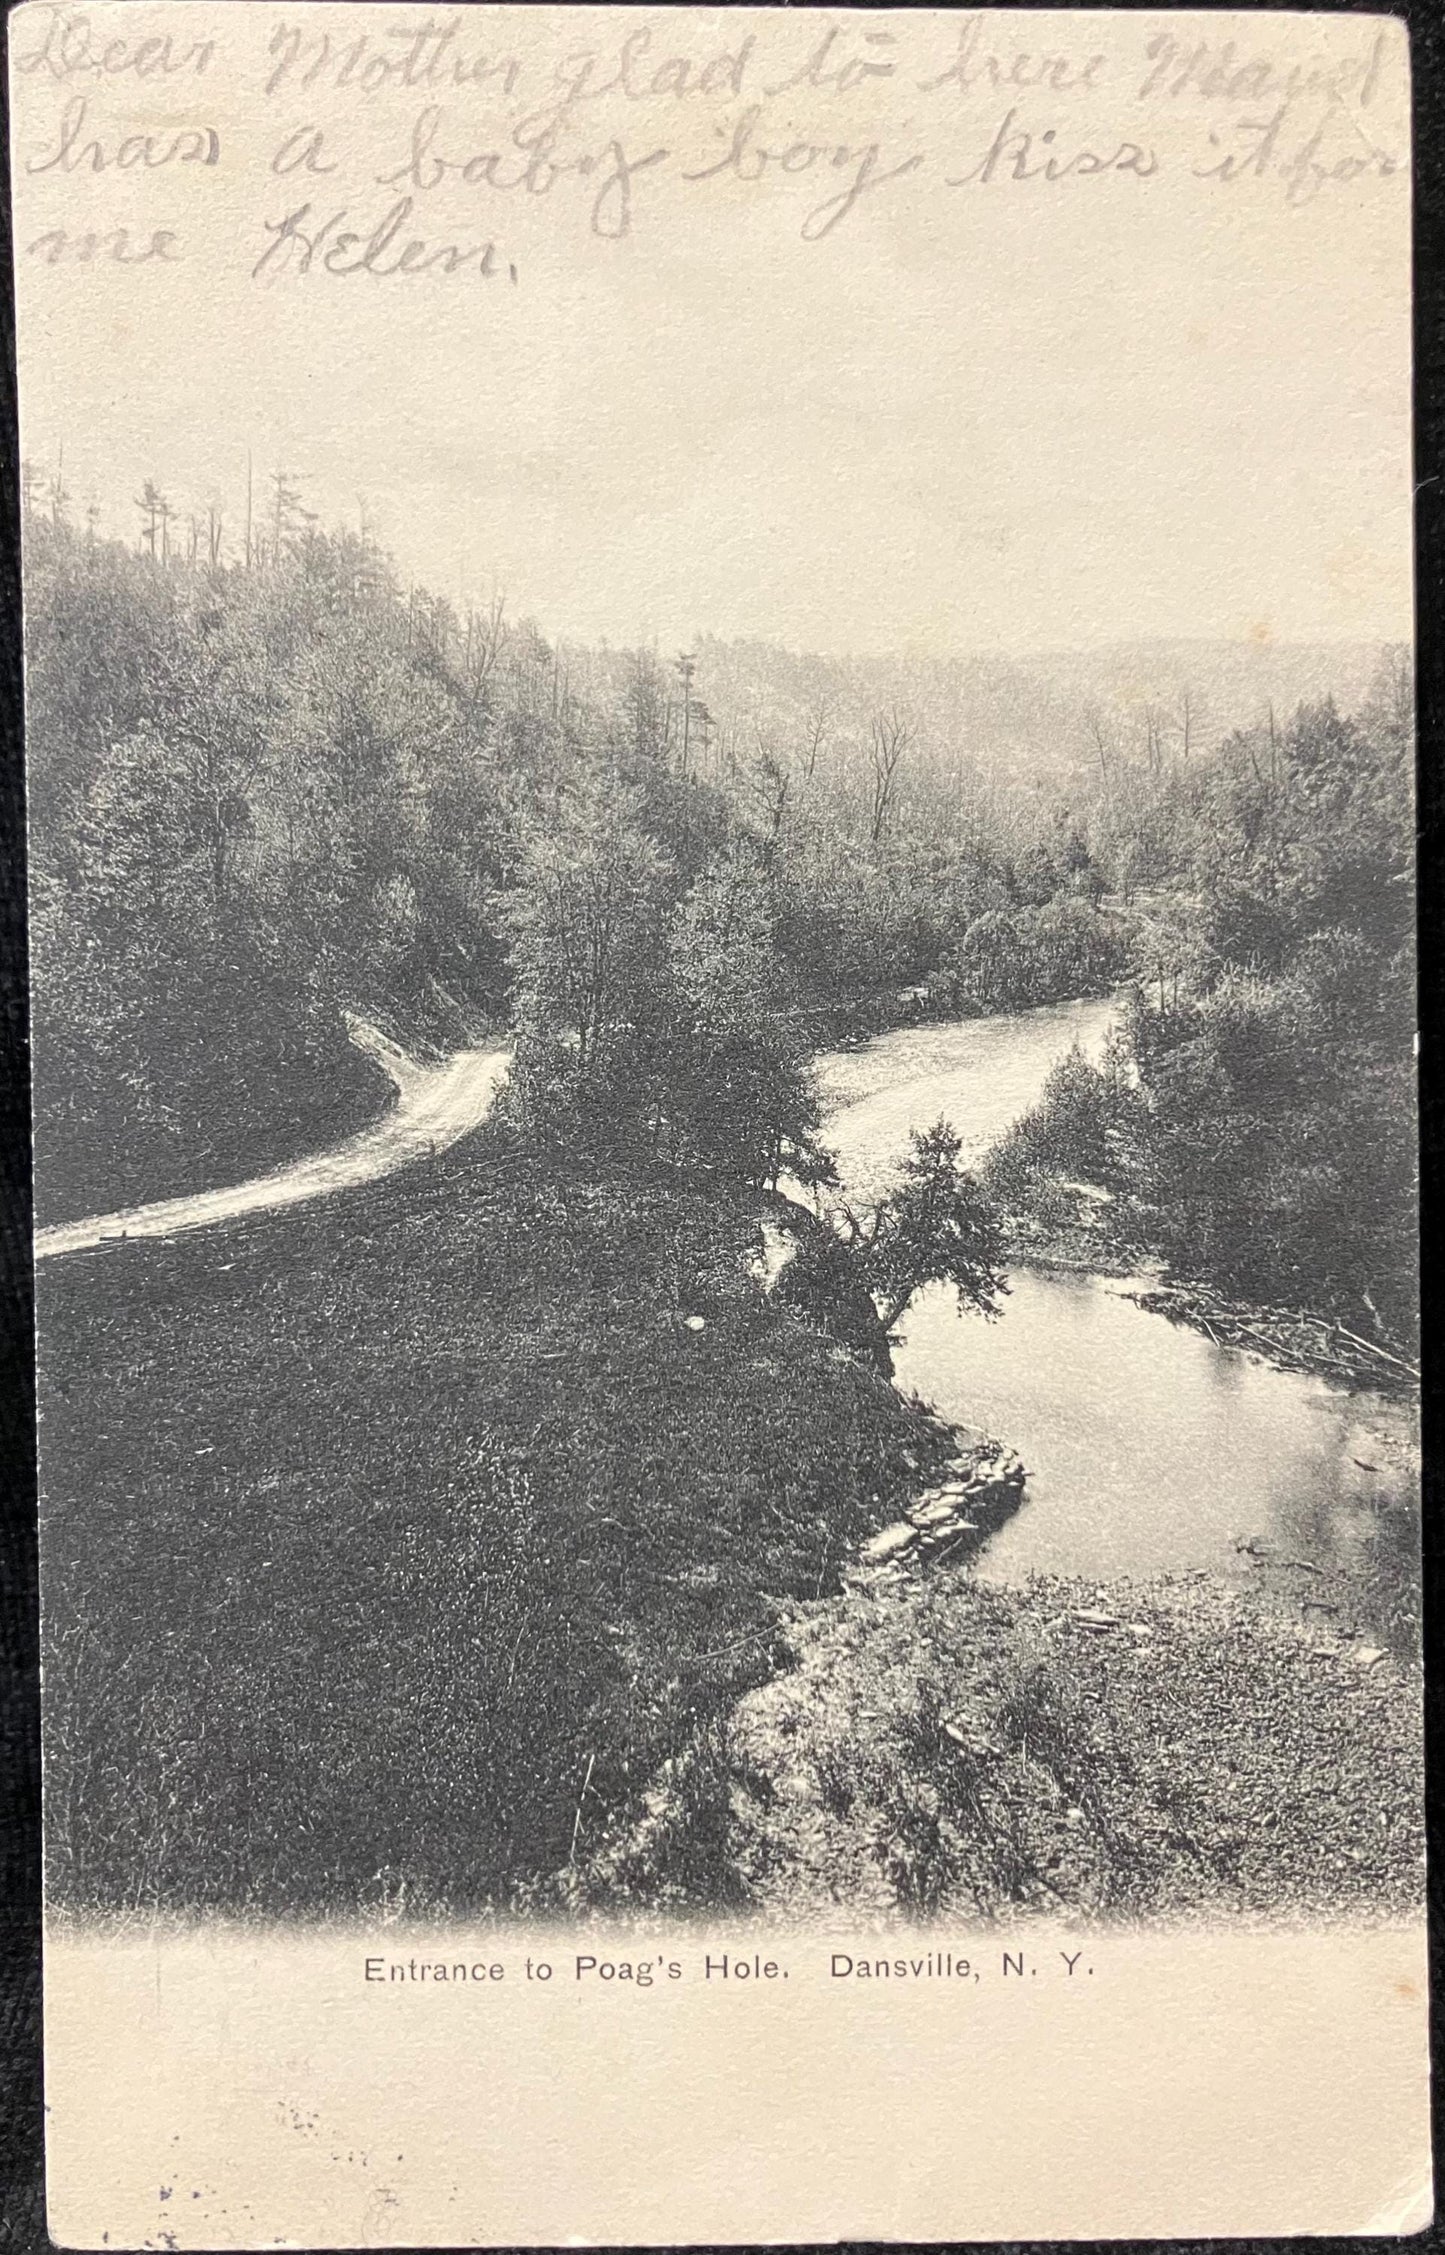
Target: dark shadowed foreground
[393, 1543]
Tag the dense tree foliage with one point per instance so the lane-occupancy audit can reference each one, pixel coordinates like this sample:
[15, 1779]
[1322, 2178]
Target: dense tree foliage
[271, 792]
[1014, 958]
[534, 1427]
[1255, 1120]
[255, 803]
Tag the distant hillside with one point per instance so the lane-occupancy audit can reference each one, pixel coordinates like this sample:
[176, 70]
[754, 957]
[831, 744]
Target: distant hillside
[1040, 714]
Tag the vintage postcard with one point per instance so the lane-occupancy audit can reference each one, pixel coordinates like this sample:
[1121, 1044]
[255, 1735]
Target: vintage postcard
[721, 741]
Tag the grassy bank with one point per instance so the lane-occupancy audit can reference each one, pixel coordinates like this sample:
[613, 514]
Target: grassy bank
[393, 1543]
[1170, 1750]
[487, 1538]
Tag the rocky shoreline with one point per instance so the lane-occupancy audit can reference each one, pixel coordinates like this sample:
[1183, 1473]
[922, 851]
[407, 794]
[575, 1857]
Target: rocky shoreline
[933, 1748]
[983, 1485]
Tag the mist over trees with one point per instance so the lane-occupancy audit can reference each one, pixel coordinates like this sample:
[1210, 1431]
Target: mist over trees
[273, 789]
[546, 1433]
[271, 786]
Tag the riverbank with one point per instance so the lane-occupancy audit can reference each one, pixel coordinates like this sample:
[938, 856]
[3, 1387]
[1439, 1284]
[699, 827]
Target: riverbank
[499, 1535]
[850, 1022]
[1291, 1338]
[508, 1533]
[1240, 1741]
[393, 1543]
[1085, 1244]
[1161, 1751]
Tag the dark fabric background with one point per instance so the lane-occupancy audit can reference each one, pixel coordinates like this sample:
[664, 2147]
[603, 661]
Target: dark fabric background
[21, 2113]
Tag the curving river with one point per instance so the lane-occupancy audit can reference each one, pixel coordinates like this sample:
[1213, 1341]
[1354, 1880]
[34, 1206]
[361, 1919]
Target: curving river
[1150, 1449]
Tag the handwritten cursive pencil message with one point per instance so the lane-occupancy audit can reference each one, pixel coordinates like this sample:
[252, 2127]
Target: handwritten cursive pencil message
[358, 144]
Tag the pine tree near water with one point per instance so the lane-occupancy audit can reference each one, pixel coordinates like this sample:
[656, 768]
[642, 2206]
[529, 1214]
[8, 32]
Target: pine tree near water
[936, 1225]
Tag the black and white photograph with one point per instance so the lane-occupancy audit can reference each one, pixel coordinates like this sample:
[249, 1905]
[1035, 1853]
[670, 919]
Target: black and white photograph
[720, 743]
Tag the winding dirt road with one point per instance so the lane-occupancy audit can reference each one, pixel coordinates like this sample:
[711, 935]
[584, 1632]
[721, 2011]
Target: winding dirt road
[436, 1104]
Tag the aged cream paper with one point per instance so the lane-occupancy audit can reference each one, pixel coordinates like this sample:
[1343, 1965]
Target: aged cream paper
[1209, 2086]
[910, 512]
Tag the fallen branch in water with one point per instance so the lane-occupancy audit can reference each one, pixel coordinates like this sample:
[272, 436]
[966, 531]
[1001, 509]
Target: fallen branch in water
[1227, 1325]
[1370, 1349]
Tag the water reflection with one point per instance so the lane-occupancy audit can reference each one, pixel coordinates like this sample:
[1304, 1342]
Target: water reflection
[1150, 1448]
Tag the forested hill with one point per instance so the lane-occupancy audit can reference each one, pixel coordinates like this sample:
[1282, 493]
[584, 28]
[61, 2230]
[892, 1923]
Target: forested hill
[266, 792]
[1051, 716]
